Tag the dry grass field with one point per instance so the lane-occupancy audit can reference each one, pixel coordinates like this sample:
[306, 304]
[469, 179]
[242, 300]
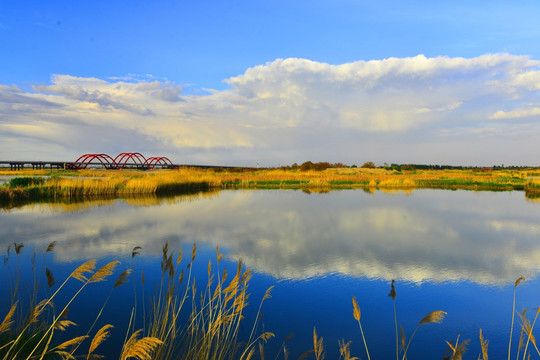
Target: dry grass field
[39, 184]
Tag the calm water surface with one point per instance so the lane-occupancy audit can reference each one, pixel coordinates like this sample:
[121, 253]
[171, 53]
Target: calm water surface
[457, 251]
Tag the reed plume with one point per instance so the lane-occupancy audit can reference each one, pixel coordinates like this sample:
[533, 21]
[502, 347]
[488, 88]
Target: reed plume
[484, 345]
[179, 258]
[70, 343]
[193, 252]
[356, 309]
[356, 315]
[100, 337]
[122, 278]
[50, 278]
[345, 351]
[140, 349]
[433, 317]
[17, 247]
[6, 324]
[518, 281]
[62, 325]
[135, 251]
[318, 348]
[104, 272]
[51, 247]
[64, 355]
[526, 332]
[37, 311]
[393, 295]
[458, 349]
[87, 267]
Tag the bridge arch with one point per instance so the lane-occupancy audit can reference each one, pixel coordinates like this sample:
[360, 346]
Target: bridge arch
[159, 161]
[130, 160]
[95, 159]
[121, 161]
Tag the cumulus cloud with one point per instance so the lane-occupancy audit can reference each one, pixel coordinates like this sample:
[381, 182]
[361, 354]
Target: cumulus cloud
[292, 110]
[517, 113]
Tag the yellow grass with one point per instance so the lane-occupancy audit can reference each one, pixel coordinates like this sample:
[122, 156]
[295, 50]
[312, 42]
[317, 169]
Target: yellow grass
[61, 184]
[210, 331]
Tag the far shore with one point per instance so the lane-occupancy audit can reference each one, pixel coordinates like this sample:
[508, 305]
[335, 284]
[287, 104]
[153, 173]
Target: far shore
[32, 185]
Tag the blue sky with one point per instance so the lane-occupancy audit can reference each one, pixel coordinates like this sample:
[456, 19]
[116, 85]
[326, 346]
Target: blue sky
[272, 82]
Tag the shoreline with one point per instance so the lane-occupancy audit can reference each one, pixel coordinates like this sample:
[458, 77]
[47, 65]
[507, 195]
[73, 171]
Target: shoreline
[36, 185]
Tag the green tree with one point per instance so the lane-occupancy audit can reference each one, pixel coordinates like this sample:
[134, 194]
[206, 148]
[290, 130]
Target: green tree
[369, 165]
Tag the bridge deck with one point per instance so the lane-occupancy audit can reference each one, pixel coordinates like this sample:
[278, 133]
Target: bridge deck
[18, 165]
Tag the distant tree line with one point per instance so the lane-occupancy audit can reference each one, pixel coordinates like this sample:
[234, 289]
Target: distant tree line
[400, 167]
[320, 166]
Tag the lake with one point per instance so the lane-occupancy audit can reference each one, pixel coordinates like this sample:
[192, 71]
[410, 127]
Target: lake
[457, 251]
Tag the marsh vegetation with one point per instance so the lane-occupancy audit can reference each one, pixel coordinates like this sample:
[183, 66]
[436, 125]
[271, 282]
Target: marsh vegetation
[179, 321]
[400, 231]
[40, 184]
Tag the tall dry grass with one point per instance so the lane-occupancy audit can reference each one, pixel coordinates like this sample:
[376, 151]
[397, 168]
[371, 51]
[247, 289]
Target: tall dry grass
[88, 183]
[113, 183]
[212, 317]
[533, 186]
[456, 349]
[30, 328]
[180, 321]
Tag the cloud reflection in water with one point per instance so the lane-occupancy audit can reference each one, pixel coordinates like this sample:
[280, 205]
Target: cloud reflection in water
[431, 235]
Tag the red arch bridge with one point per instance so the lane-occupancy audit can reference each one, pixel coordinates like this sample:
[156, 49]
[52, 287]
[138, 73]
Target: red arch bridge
[102, 161]
[133, 160]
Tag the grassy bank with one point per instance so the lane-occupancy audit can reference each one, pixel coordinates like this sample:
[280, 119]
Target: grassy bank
[56, 184]
[533, 186]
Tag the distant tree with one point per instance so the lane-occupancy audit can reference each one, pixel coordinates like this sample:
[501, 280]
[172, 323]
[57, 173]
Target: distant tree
[408, 167]
[320, 166]
[307, 165]
[485, 169]
[369, 165]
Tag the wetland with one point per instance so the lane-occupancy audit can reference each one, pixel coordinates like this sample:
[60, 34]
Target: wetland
[455, 250]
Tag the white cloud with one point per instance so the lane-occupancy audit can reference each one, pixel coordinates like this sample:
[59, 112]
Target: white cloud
[286, 110]
[517, 113]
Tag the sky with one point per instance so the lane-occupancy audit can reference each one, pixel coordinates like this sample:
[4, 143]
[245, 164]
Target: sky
[270, 83]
